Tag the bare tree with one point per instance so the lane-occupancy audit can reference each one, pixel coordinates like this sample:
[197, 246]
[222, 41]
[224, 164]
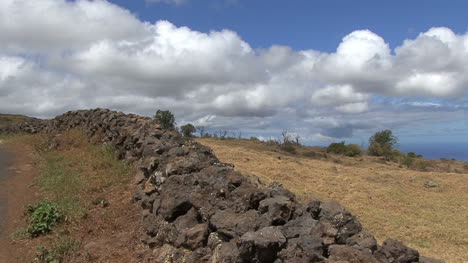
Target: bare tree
[201, 130]
[285, 136]
[297, 139]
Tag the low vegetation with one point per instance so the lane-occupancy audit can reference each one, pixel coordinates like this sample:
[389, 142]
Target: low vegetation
[12, 119]
[389, 199]
[42, 217]
[57, 251]
[350, 150]
[73, 175]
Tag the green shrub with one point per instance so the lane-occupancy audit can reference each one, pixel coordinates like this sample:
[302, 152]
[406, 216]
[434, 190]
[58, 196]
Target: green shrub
[353, 150]
[350, 150]
[288, 147]
[337, 147]
[166, 119]
[187, 130]
[422, 165]
[411, 155]
[408, 161]
[42, 217]
[381, 144]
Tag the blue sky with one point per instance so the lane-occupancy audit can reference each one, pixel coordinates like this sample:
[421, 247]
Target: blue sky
[325, 70]
[307, 24]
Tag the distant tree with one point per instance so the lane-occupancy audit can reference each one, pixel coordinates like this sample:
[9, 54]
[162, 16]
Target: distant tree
[239, 135]
[286, 137]
[166, 119]
[201, 130]
[381, 144]
[222, 134]
[187, 130]
[297, 139]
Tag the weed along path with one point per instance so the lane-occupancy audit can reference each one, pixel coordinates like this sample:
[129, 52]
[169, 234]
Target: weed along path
[16, 177]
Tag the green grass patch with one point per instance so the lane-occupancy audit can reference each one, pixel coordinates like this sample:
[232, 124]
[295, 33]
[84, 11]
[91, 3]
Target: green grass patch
[63, 184]
[7, 136]
[20, 234]
[62, 247]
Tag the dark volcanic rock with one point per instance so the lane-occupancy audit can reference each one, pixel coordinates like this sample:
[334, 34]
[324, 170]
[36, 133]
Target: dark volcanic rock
[341, 253]
[394, 251]
[197, 209]
[262, 245]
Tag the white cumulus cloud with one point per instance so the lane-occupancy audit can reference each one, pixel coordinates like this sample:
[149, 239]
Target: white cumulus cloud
[58, 55]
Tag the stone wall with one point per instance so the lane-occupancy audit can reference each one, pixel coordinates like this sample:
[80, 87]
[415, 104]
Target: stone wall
[197, 209]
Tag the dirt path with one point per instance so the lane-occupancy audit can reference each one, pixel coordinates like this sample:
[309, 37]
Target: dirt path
[16, 177]
[5, 173]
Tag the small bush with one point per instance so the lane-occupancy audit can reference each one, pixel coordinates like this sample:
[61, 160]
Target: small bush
[408, 161]
[288, 147]
[422, 165]
[397, 155]
[42, 217]
[350, 150]
[337, 147]
[353, 150]
[411, 155]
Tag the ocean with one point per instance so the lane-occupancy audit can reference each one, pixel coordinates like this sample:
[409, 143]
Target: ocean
[437, 150]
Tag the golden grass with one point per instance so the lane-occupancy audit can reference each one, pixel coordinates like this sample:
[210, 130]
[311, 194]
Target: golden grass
[391, 202]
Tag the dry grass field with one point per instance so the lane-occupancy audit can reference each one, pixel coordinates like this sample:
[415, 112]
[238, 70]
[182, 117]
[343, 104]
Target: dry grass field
[390, 200]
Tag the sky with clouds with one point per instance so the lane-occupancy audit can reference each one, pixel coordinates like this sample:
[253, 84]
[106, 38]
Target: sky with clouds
[318, 70]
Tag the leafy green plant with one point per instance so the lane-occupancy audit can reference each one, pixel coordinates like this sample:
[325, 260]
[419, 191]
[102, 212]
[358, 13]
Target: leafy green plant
[42, 217]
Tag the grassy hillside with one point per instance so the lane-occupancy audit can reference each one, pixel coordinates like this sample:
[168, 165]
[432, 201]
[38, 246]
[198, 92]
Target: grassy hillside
[10, 119]
[389, 199]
